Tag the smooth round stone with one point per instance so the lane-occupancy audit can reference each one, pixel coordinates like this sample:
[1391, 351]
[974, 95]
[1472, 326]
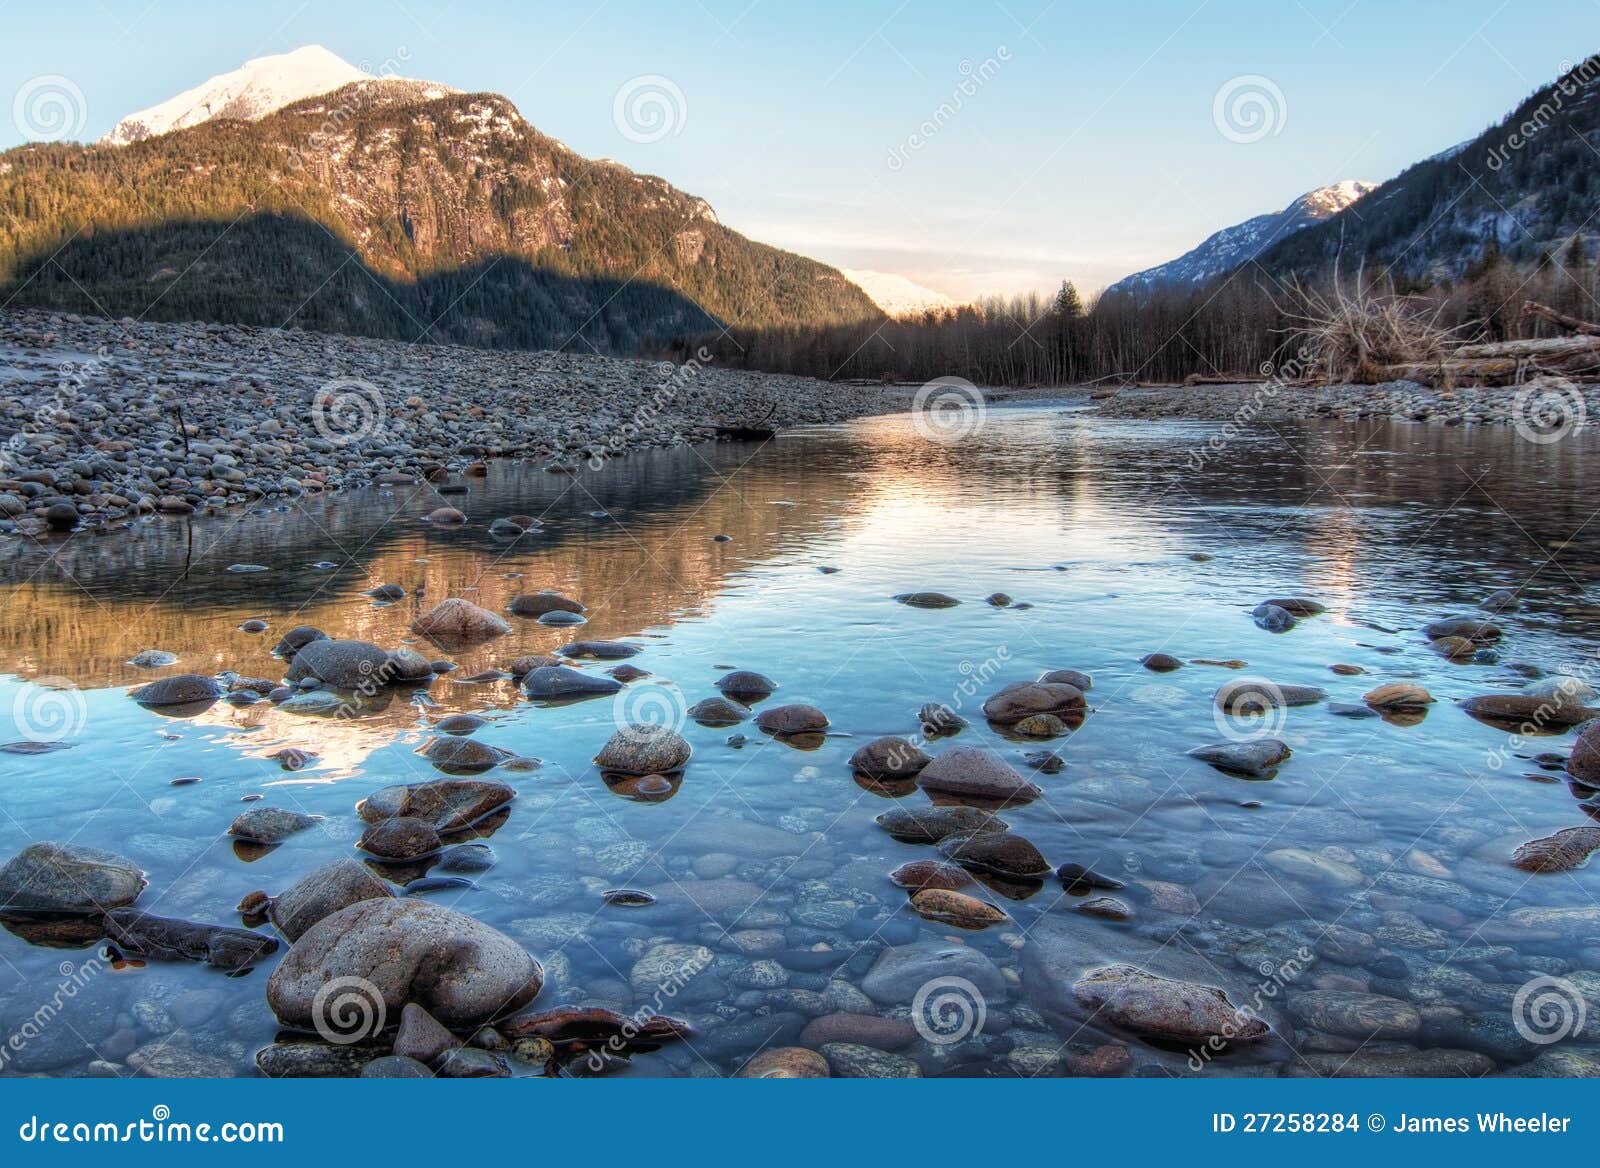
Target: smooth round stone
[537, 604]
[556, 682]
[792, 719]
[742, 684]
[956, 908]
[459, 622]
[889, 758]
[1072, 677]
[463, 756]
[966, 771]
[270, 825]
[472, 857]
[860, 1030]
[1023, 699]
[926, 600]
[457, 968]
[1272, 618]
[68, 878]
[848, 1060]
[642, 748]
[918, 875]
[395, 1066]
[460, 724]
[182, 689]
[785, 1062]
[929, 825]
[400, 839]
[348, 665]
[1160, 662]
[1255, 759]
[717, 712]
[1000, 852]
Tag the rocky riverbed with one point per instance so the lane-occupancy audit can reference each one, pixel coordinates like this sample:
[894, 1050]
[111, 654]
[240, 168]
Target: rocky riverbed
[104, 420]
[1546, 408]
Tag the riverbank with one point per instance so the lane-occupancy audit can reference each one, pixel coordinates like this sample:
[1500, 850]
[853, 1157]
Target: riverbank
[104, 420]
[1404, 401]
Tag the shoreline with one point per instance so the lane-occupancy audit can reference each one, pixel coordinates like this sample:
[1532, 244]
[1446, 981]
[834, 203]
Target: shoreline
[91, 408]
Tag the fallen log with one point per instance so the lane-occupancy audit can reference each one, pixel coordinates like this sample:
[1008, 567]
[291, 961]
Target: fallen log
[1541, 348]
[1570, 323]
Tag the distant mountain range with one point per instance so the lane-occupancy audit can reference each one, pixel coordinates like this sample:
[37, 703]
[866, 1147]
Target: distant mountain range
[299, 190]
[1524, 189]
[1232, 246]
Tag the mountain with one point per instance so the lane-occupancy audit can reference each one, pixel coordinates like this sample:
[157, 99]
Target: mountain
[897, 295]
[1524, 189]
[390, 208]
[1232, 246]
[252, 91]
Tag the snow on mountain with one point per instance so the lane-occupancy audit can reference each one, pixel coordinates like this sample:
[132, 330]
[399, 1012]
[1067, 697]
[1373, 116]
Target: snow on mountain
[249, 93]
[897, 295]
[1232, 246]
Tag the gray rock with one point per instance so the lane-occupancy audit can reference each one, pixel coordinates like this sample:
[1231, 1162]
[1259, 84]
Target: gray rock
[458, 969]
[323, 892]
[1256, 758]
[270, 825]
[347, 665]
[68, 878]
[900, 971]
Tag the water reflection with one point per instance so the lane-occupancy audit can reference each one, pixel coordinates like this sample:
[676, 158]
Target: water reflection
[1114, 539]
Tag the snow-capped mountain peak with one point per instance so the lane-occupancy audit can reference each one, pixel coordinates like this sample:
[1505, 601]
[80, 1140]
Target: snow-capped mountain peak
[1227, 249]
[248, 93]
[895, 294]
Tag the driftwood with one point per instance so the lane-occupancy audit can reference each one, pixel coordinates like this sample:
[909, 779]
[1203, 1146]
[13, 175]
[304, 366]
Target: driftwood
[1561, 319]
[759, 432]
[1223, 379]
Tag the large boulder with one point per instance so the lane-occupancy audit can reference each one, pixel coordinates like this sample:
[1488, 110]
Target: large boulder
[966, 772]
[1584, 765]
[342, 664]
[68, 878]
[456, 623]
[1026, 698]
[322, 893]
[455, 967]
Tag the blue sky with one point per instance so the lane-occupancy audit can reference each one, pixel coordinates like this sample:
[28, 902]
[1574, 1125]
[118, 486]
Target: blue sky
[1086, 148]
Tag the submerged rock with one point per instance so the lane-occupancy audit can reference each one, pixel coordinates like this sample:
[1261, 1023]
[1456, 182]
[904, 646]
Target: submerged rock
[1272, 618]
[1367, 1017]
[901, 971]
[1163, 1007]
[167, 938]
[1160, 662]
[1475, 629]
[458, 969]
[926, 600]
[68, 878]
[1536, 713]
[1255, 696]
[1078, 878]
[929, 825]
[785, 1062]
[457, 623]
